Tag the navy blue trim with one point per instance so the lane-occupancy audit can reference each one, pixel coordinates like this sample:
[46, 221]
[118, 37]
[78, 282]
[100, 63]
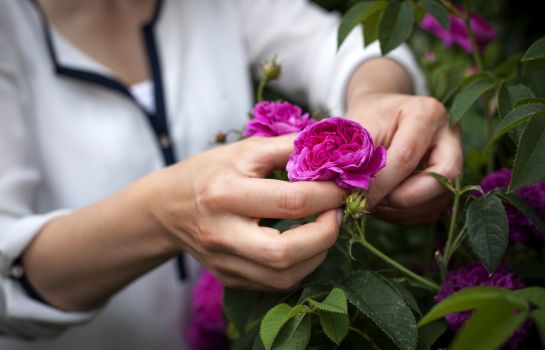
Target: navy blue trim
[158, 120]
[26, 285]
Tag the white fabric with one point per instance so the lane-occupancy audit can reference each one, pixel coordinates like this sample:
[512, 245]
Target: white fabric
[143, 93]
[65, 143]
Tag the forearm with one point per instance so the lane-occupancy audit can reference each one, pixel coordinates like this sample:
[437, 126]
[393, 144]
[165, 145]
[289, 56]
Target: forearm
[78, 261]
[378, 75]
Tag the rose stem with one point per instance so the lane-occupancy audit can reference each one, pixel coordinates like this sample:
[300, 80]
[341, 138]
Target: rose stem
[260, 88]
[447, 253]
[474, 48]
[363, 241]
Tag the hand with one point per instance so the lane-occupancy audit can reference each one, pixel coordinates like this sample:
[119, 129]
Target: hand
[416, 133]
[213, 201]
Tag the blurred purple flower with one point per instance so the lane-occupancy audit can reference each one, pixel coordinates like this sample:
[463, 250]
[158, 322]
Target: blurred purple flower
[521, 228]
[457, 33]
[275, 119]
[207, 328]
[474, 276]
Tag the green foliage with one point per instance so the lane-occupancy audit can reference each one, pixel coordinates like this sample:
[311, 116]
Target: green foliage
[535, 52]
[529, 165]
[523, 207]
[335, 325]
[358, 14]
[467, 96]
[383, 305]
[488, 230]
[516, 117]
[428, 334]
[334, 302]
[295, 335]
[438, 11]
[396, 25]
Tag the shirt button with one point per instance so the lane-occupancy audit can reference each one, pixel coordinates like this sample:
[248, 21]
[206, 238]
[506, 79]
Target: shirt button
[164, 141]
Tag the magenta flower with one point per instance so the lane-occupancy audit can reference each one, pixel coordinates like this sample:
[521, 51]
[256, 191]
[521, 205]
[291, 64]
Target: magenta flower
[521, 228]
[207, 328]
[336, 149]
[275, 119]
[474, 276]
[457, 33]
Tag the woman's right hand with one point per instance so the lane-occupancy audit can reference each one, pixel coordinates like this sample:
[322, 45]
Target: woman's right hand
[212, 203]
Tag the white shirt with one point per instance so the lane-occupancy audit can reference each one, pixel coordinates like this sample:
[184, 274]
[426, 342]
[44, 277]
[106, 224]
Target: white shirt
[67, 142]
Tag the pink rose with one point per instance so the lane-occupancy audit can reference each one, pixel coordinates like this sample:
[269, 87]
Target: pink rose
[457, 33]
[336, 149]
[275, 119]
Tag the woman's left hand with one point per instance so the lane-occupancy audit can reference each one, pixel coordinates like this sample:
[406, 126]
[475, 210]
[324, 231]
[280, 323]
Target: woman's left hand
[416, 132]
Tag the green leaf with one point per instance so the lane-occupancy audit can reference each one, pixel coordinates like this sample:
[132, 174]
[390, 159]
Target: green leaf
[371, 27]
[334, 302]
[516, 117]
[377, 300]
[273, 322]
[406, 295]
[335, 325]
[535, 52]
[519, 203]
[396, 25]
[529, 164]
[470, 299]
[295, 335]
[429, 334]
[535, 295]
[489, 327]
[438, 11]
[539, 318]
[471, 188]
[357, 14]
[467, 96]
[244, 306]
[443, 180]
[488, 230]
[528, 100]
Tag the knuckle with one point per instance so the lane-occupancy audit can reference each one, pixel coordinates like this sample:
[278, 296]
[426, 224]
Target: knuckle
[215, 194]
[436, 112]
[276, 256]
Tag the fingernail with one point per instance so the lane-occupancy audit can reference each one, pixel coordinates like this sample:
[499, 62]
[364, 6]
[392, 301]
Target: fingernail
[340, 215]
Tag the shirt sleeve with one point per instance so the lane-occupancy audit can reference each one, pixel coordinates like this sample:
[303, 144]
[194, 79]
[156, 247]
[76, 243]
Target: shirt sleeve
[21, 315]
[303, 38]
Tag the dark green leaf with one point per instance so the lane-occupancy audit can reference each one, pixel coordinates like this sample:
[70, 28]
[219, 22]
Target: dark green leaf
[371, 26]
[528, 100]
[295, 334]
[244, 306]
[535, 52]
[335, 325]
[396, 25]
[429, 334]
[467, 97]
[355, 15]
[489, 327]
[509, 94]
[334, 302]
[377, 300]
[519, 203]
[487, 230]
[470, 299]
[438, 11]
[516, 117]
[529, 164]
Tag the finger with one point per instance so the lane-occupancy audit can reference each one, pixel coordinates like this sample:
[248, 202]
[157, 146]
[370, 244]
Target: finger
[445, 158]
[267, 198]
[266, 246]
[426, 212]
[262, 155]
[264, 277]
[408, 147]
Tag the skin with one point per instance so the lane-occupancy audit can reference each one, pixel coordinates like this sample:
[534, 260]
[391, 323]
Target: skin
[80, 260]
